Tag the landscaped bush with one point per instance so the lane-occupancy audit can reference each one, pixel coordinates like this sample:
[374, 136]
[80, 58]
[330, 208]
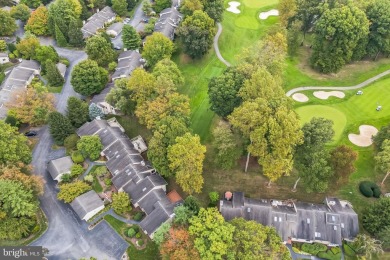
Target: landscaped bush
[88, 178]
[131, 232]
[136, 228]
[329, 255]
[100, 171]
[314, 249]
[77, 157]
[369, 189]
[140, 242]
[348, 250]
[138, 216]
[70, 142]
[108, 182]
[138, 235]
[335, 250]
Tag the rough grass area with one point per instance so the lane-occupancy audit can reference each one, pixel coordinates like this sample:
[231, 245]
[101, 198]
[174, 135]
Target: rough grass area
[132, 127]
[150, 252]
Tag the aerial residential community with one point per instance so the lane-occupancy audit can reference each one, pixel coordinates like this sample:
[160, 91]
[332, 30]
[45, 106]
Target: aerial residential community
[194, 129]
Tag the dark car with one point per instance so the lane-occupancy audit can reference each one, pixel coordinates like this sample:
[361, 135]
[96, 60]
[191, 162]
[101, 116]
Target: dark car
[116, 47]
[145, 20]
[30, 133]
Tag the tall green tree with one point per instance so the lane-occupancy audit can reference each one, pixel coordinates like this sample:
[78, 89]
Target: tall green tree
[121, 202]
[337, 34]
[381, 136]
[90, 146]
[378, 13]
[60, 37]
[160, 5]
[197, 33]
[214, 9]
[14, 146]
[157, 47]
[88, 78]
[308, 12]
[119, 97]
[31, 3]
[163, 137]
[77, 111]
[38, 21]
[168, 69]
[8, 24]
[100, 50]
[287, 10]
[213, 236]
[95, 112]
[119, 7]
[252, 240]
[131, 39]
[61, 12]
[367, 246]
[74, 34]
[27, 46]
[186, 160]
[44, 53]
[223, 92]
[60, 127]
[53, 75]
[142, 85]
[15, 200]
[21, 12]
[376, 217]
[227, 150]
[382, 159]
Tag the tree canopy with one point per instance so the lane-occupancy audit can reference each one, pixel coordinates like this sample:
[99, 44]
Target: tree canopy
[197, 33]
[77, 111]
[8, 24]
[186, 160]
[119, 7]
[21, 12]
[69, 191]
[378, 13]
[130, 37]
[60, 127]
[90, 146]
[179, 245]
[121, 202]
[38, 21]
[228, 152]
[377, 216]
[214, 9]
[13, 145]
[157, 47]
[100, 50]
[88, 78]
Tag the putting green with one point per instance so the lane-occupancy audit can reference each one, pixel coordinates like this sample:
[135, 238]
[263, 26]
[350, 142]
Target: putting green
[247, 22]
[306, 113]
[259, 3]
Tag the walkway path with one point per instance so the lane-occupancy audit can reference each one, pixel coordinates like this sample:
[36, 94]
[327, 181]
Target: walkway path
[91, 164]
[216, 48]
[358, 86]
[112, 213]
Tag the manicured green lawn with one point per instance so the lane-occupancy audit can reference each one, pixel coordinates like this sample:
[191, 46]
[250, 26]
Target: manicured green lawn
[306, 113]
[150, 252]
[96, 185]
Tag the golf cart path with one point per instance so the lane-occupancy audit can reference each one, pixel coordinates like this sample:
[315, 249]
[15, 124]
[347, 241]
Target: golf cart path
[216, 48]
[361, 85]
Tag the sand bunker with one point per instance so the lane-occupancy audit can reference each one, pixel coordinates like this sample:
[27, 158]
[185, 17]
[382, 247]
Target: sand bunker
[363, 139]
[233, 7]
[300, 97]
[327, 94]
[265, 15]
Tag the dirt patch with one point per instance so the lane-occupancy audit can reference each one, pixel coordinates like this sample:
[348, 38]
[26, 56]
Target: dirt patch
[364, 138]
[300, 97]
[327, 94]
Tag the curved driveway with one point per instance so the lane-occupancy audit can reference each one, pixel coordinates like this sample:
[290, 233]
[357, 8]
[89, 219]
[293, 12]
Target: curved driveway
[358, 86]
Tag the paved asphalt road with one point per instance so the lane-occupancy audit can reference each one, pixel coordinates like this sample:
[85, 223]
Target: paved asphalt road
[67, 236]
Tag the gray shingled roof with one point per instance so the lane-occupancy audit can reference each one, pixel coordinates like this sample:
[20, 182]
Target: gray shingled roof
[127, 62]
[29, 64]
[59, 166]
[3, 55]
[157, 217]
[86, 203]
[330, 222]
[116, 27]
[97, 21]
[168, 22]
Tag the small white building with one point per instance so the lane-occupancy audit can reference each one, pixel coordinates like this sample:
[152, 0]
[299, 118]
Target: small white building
[4, 58]
[87, 205]
[59, 167]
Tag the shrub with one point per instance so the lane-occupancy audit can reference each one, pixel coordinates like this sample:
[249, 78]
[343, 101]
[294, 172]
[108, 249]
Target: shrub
[138, 216]
[138, 235]
[136, 228]
[314, 249]
[108, 182]
[348, 250]
[77, 157]
[70, 142]
[100, 171]
[11, 120]
[131, 232]
[64, 61]
[335, 250]
[66, 178]
[140, 242]
[76, 170]
[214, 196]
[35, 229]
[329, 255]
[368, 189]
[377, 192]
[88, 178]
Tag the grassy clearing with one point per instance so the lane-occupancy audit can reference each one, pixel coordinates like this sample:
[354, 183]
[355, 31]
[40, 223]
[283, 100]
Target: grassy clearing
[96, 185]
[132, 127]
[150, 252]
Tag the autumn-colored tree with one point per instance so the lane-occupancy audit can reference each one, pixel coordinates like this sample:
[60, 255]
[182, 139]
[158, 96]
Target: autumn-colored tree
[121, 202]
[32, 105]
[186, 160]
[69, 191]
[342, 161]
[287, 10]
[38, 21]
[157, 47]
[22, 173]
[175, 105]
[227, 150]
[27, 47]
[179, 246]
[143, 86]
[188, 7]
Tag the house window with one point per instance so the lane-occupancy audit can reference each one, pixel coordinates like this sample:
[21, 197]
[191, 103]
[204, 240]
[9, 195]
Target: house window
[333, 218]
[342, 225]
[280, 219]
[249, 210]
[308, 221]
[317, 234]
[275, 218]
[334, 227]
